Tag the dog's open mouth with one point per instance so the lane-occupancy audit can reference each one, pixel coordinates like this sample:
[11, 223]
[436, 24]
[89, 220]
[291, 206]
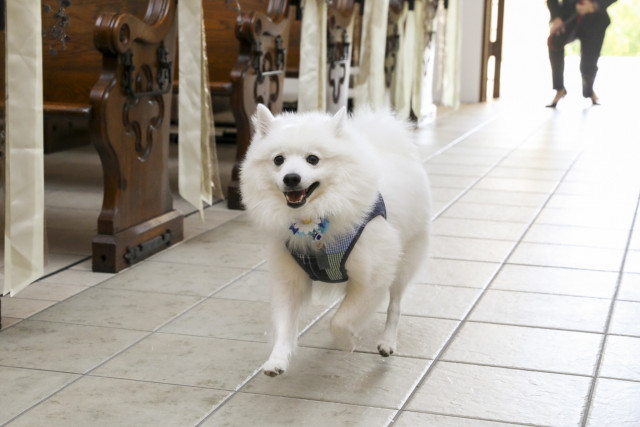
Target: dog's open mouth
[297, 198]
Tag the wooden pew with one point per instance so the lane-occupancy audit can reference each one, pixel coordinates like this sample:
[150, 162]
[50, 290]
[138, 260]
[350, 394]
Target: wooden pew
[247, 53]
[342, 51]
[339, 52]
[393, 40]
[117, 96]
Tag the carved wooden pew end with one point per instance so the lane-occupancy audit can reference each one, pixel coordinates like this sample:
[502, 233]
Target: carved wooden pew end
[130, 127]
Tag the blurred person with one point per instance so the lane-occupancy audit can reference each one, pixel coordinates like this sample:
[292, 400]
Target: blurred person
[586, 20]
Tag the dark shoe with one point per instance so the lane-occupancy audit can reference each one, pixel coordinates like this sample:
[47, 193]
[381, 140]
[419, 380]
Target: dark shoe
[561, 93]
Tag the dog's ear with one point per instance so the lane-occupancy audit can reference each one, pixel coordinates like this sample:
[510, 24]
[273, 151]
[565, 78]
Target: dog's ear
[338, 120]
[262, 120]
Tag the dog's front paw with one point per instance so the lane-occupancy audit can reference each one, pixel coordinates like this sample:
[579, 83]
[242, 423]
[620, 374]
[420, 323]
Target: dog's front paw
[385, 349]
[275, 367]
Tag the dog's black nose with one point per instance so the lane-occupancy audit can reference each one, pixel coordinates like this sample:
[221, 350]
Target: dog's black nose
[291, 180]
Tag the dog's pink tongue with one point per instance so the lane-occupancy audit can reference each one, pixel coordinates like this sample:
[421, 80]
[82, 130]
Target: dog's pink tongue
[294, 196]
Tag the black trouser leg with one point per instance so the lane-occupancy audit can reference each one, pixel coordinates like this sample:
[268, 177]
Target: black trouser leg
[556, 43]
[591, 37]
[556, 58]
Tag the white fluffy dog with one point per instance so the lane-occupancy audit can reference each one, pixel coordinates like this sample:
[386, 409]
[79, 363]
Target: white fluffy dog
[340, 200]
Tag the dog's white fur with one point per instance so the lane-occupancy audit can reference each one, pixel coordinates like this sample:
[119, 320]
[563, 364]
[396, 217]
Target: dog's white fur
[360, 157]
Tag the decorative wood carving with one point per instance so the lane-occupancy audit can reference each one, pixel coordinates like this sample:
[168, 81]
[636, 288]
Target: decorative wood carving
[339, 46]
[393, 40]
[258, 76]
[131, 106]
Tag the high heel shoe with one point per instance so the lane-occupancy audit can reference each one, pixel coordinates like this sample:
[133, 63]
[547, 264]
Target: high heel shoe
[594, 99]
[561, 93]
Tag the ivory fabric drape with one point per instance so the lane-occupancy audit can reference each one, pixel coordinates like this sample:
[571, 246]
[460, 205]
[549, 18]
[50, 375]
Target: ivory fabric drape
[24, 172]
[197, 174]
[210, 183]
[409, 77]
[370, 87]
[402, 79]
[452, 52]
[418, 74]
[312, 78]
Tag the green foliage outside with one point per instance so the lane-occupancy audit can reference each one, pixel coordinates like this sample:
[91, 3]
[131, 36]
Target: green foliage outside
[623, 35]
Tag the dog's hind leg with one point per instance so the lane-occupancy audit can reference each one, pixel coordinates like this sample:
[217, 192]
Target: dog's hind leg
[372, 267]
[410, 263]
[354, 312]
[387, 345]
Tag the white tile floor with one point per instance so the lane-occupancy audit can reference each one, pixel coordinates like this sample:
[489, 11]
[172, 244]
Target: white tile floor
[528, 312]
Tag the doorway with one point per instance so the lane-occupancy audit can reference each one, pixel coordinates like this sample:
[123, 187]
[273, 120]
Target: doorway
[525, 71]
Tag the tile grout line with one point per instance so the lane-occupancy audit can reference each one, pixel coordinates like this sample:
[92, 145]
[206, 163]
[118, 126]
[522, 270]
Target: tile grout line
[488, 420]
[525, 264]
[67, 267]
[523, 223]
[228, 397]
[614, 299]
[625, 380]
[456, 330]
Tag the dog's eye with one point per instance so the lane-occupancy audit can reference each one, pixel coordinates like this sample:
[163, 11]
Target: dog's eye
[278, 160]
[312, 159]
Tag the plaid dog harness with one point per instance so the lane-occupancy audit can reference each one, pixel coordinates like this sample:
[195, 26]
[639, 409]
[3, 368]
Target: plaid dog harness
[328, 263]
